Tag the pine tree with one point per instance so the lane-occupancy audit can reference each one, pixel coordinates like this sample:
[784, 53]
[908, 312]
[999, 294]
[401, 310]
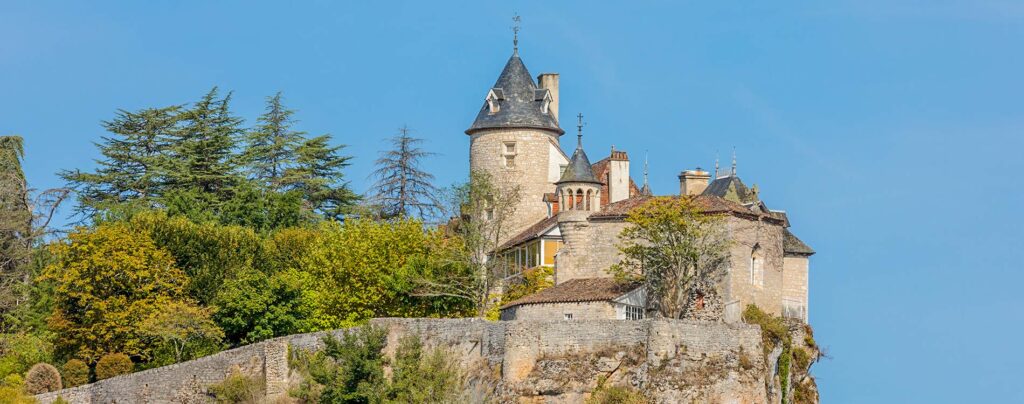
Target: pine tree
[317, 175]
[271, 146]
[201, 151]
[402, 188]
[132, 163]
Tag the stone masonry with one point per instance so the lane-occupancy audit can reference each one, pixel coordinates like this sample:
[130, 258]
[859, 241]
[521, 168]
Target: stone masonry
[670, 359]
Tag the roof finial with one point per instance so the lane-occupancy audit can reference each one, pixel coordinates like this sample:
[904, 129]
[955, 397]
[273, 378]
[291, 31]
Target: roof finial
[579, 130]
[734, 161]
[646, 190]
[515, 34]
[716, 164]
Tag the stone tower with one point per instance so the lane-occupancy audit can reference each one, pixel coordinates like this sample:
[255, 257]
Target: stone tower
[514, 139]
[579, 196]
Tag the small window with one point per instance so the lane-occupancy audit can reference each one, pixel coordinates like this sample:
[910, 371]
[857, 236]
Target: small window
[568, 316]
[510, 161]
[757, 266]
[561, 169]
[634, 313]
[510, 147]
[489, 213]
[508, 150]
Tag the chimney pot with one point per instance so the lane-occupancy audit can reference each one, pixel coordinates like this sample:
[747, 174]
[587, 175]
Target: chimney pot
[693, 182]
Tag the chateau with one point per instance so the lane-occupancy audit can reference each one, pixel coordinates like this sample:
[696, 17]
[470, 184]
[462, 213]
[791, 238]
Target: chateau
[571, 211]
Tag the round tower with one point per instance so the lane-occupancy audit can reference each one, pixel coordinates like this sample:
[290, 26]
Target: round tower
[579, 196]
[514, 140]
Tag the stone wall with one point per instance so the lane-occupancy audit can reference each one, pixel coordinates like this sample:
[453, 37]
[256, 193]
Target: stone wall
[794, 287]
[524, 361]
[738, 289]
[591, 247]
[603, 310]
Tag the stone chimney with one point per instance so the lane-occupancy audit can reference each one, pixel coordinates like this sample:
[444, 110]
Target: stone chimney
[550, 82]
[693, 182]
[618, 176]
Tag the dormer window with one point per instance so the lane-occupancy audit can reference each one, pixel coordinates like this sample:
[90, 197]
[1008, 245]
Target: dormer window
[493, 96]
[544, 96]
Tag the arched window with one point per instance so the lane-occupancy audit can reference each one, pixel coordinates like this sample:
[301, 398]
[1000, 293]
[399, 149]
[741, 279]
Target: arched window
[757, 266]
[579, 200]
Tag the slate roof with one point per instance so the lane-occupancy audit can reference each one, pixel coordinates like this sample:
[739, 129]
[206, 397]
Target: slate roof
[579, 168]
[578, 290]
[530, 233]
[793, 245]
[519, 102]
[708, 204]
[731, 188]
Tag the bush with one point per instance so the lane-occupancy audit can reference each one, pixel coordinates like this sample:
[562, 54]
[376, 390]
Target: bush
[616, 395]
[76, 373]
[238, 389]
[12, 391]
[42, 378]
[113, 364]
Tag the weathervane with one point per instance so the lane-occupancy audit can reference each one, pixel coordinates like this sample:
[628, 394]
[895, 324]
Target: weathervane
[515, 33]
[579, 129]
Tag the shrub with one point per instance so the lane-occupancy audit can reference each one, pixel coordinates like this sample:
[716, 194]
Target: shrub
[238, 389]
[19, 351]
[616, 395]
[42, 378]
[76, 373]
[113, 364]
[12, 391]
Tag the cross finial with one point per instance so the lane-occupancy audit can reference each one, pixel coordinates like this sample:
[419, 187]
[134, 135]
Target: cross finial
[515, 33]
[579, 130]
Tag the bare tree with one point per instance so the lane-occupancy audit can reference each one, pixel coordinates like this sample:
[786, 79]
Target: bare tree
[481, 211]
[402, 188]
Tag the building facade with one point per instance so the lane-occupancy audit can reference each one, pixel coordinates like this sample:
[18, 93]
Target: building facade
[571, 212]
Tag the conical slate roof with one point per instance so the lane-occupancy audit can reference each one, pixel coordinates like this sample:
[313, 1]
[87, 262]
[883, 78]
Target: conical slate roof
[579, 168]
[520, 102]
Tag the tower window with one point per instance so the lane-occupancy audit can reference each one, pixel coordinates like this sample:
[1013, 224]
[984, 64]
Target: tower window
[567, 316]
[756, 267]
[508, 151]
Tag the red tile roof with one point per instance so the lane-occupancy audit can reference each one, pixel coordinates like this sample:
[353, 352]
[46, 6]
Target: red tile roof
[708, 203]
[578, 290]
[530, 233]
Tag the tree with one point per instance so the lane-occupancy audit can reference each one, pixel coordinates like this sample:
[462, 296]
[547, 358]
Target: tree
[24, 221]
[254, 306]
[673, 248]
[402, 187]
[184, 331]
[318, 176]
[484, 208]
[107, 281]
[201, 150]
[133, 165]
[348, 370]
[271, 146]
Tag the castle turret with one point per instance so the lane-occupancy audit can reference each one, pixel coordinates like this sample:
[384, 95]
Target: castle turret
[514, 140]
[579, 194]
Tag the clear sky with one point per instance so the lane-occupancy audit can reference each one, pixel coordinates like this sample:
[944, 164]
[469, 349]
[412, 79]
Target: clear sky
[890, 130]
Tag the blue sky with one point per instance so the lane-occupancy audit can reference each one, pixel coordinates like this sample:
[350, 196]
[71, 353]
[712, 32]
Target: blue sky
[889, 130]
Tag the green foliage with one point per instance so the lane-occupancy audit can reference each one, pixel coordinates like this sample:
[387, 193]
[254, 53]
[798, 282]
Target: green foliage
[75, 372]
[349, 370]
[672, 247]
[271, 145]
[605, 394]
[20, 351]
[107, 281]
[238, 388]
[42, 378]
[181, 331]
[12, 391]
[421, 376]
[355, 269]
[318, 175]
[254, 306]
[113, 364]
